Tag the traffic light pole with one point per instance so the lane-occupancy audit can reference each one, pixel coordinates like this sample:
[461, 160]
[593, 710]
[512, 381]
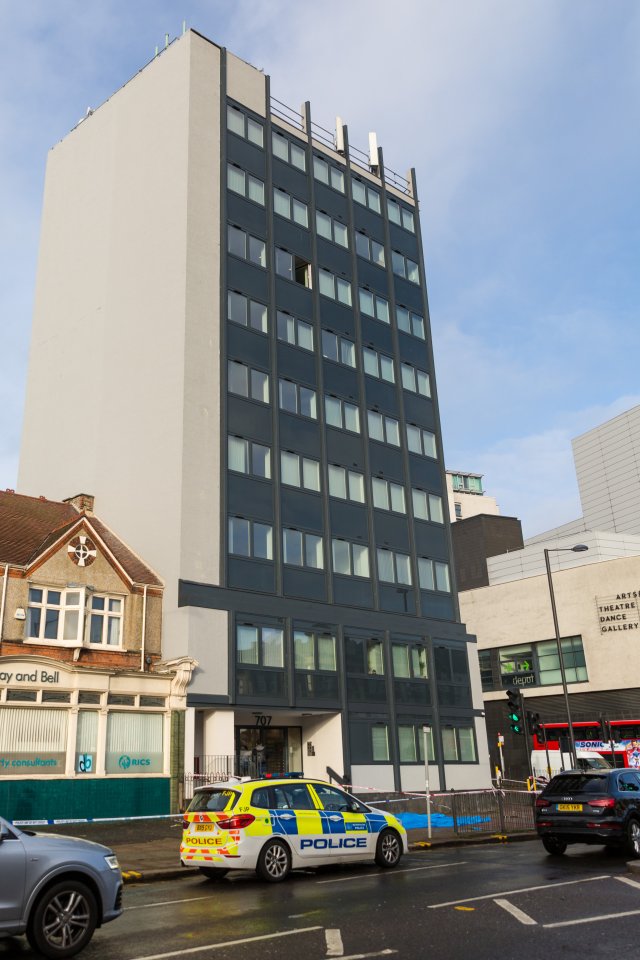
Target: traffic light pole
[527, 745]
[563, 675]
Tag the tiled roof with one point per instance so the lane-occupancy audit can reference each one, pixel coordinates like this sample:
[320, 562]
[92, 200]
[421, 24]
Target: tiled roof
[29, 525]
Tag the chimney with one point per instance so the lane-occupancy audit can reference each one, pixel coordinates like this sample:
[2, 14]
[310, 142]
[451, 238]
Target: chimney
[83, 502]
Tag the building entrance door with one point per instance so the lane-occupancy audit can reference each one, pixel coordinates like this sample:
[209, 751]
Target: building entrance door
[275, 750]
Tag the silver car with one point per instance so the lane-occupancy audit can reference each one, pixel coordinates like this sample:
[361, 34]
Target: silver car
[56, 889]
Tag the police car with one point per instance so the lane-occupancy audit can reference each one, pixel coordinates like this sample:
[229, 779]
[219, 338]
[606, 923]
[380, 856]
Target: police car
[275, 825]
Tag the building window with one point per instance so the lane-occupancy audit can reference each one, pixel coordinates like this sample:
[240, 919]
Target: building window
[401, 215]
[486, 669]
[337, 288]
[573, 658]
[26, 733]
[247, 456]
[394, 567]
[404, 267]
[245, 127]
[242, 244]
[247, 382]
[378, 365]
[452, 676]
[388, 495]
[411, 743]
[260, 646]
[299, 333]
[248, 538]
[295, 398]
[373, 305]
[288, 207]
[415, 380]
[341, 414]
[338, 349]
[293, 268]
[380, 743]
[459, 745]
[427, 506]
[302, 549]
[464, 483]
[298, 471]
[370, 249]
[409, 322]
[105, 622]
[326, 173]
[346, 484]
[366, 195]
[244, 184]
[292, 153]
[434, 575]
[383, 429]
[314, 651]
[421, 441]
[364, 657]
[55, 615]
[350, 559]
[331, 229]
[458, 509]
[246, 312]
[410, 661]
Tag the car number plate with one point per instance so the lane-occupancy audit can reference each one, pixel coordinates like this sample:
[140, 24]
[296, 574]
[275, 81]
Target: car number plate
[570, 807]
[201, 827]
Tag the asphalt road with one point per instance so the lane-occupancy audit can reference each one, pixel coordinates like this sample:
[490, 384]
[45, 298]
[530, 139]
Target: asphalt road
[502, 901]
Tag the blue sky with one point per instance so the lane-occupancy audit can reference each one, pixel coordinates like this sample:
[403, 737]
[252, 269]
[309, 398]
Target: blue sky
[522, 120]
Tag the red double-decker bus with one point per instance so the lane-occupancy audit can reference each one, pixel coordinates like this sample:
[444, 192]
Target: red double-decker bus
[625, 739]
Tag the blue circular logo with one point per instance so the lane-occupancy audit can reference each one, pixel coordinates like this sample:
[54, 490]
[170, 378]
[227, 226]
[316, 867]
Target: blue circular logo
[124, 761]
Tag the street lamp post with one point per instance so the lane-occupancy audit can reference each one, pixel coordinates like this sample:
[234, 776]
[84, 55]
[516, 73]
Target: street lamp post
[579, 548]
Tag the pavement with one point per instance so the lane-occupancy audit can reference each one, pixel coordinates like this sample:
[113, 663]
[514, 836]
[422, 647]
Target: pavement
[148, 850]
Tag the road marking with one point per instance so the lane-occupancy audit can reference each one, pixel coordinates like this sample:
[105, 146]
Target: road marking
[362, 956]
[516, 912]
[508, 893]
[360, 876]
[228, 943]
[165, 903]
[334, 943]
[605, 916]
[632, 883]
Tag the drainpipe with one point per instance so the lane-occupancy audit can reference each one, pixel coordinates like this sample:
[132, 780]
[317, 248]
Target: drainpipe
[4, 597]
[144, 627]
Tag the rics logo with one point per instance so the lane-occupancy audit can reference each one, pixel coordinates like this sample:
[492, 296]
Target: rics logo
[124, 761]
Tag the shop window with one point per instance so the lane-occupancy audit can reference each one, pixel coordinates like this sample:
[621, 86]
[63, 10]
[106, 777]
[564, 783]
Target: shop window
[35, 738]
[134, 743]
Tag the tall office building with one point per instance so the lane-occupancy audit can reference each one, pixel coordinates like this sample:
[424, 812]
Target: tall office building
[231, 350]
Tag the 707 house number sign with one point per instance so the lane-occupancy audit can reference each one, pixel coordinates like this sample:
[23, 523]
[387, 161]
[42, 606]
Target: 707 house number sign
[263, 719]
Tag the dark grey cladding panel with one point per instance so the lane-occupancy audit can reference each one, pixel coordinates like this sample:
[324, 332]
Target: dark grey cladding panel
[330, 201]
[409, 294]
[373, 277]
[348, 520]
[414, 351]
[294, 297]
[425, 473]
[335, 258]
[431, 540]
[246, 155]
[291, 237]
[345, 448]
[247, 278]
[391, 532]
[246, 214]
[342, 381]
[307, 584]
[301, 436]
[301, 510]
[248, 419]
[250, 497]
[419, 410]
[381, 396]
[404, 241]
[438, 606]
[289, 178]
[385, 461]
[376, 334]
[251, 575]
[353, 592]
[367, 220]
[247, 346]
[297, 364]
[398, 599]
[334, 316]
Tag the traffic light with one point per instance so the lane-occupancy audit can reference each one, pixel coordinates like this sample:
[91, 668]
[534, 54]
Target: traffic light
[605, 730]
[514, 711]
[533, 724]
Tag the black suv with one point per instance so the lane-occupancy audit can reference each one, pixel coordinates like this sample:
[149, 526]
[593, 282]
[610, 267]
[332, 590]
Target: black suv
[590, 807]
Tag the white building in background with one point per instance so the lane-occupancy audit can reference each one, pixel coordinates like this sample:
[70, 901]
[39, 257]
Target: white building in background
[466, 496]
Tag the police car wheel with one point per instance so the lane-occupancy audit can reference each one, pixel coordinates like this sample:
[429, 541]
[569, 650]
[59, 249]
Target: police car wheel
[274, 862]
[388, 849]
[213, 873]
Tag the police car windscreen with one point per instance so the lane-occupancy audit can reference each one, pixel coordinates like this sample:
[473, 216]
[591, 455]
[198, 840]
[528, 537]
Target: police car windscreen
[213, 800]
